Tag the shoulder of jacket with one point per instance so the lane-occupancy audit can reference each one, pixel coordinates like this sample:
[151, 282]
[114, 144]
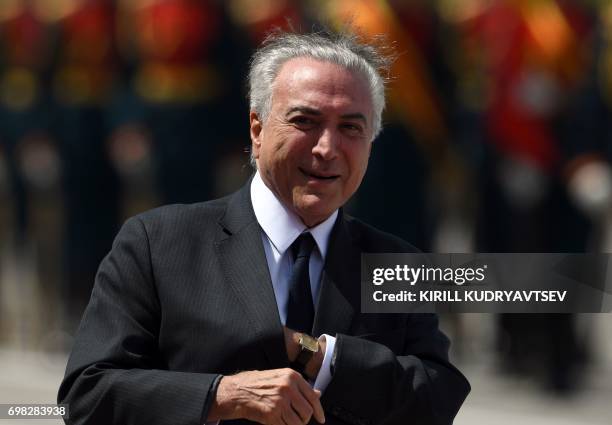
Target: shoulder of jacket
[372, 239]
[177, 215]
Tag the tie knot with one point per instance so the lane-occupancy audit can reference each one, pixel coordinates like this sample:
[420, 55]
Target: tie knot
[302, 246]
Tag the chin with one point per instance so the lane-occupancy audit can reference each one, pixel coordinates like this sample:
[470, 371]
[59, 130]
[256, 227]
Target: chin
[312, 208]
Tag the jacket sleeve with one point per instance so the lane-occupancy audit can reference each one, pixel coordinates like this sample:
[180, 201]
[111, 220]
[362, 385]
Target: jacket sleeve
[115, 373]
[411, 383]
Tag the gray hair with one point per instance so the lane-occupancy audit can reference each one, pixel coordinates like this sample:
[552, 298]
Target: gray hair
[343, 49]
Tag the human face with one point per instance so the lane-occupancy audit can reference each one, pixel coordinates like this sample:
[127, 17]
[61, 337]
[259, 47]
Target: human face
[312, 151]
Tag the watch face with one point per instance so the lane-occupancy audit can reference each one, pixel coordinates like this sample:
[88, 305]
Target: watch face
[309, 343]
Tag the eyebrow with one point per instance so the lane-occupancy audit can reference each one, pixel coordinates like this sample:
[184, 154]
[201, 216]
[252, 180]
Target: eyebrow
[311, 111]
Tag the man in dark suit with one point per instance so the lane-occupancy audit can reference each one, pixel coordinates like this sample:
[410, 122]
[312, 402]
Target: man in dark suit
[209, 312]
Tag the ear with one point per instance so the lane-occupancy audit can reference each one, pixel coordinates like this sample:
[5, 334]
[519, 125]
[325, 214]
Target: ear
[256, 127]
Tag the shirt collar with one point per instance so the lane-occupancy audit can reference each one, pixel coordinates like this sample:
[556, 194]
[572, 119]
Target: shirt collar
[281, 225]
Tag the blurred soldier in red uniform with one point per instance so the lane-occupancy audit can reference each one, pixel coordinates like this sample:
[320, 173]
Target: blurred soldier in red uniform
[83, 81]
[589, 173]
[521, 62]
[184, 87]
[25, 46]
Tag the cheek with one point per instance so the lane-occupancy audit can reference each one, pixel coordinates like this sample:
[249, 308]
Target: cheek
[294, 149]
[272, 150]
[283, 141]
[358, 161]
[282, 160]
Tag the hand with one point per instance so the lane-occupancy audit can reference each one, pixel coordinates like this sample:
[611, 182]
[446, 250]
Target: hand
[278, 397]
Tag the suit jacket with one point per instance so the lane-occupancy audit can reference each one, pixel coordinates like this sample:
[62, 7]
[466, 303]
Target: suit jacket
[185, 295]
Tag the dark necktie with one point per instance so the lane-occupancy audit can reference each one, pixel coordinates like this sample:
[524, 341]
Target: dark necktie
[300, 309]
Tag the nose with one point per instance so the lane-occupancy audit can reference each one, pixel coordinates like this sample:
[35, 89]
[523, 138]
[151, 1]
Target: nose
[327, 145]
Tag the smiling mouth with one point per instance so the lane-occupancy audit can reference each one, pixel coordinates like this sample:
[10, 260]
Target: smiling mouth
[317, 176]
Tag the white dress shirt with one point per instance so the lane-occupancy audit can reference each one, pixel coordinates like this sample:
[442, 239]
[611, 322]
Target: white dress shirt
[280, 228]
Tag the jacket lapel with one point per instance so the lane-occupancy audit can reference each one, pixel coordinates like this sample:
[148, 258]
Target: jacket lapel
[243, 260]
[340, 280]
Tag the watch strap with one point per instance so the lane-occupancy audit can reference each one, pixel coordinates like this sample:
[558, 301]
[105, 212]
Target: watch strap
[308, 347]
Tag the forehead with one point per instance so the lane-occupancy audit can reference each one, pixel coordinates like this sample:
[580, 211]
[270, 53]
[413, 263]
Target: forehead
[321, 85]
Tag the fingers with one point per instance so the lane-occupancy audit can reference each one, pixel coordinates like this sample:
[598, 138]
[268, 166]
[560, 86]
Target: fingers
[302, 407]
[290, 416]
[313, 399]
[318, 412]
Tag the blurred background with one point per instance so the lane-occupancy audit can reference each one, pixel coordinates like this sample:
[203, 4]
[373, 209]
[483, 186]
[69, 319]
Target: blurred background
[498, 138]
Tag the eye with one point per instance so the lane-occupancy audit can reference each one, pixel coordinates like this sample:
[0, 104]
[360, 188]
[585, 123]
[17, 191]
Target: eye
[303, 122]
[352, 129]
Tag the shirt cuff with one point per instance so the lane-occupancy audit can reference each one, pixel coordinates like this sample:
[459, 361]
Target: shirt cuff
[324, 376]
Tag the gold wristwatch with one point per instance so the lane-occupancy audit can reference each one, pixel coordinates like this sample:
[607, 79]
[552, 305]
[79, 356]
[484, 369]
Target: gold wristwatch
[308, 347]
